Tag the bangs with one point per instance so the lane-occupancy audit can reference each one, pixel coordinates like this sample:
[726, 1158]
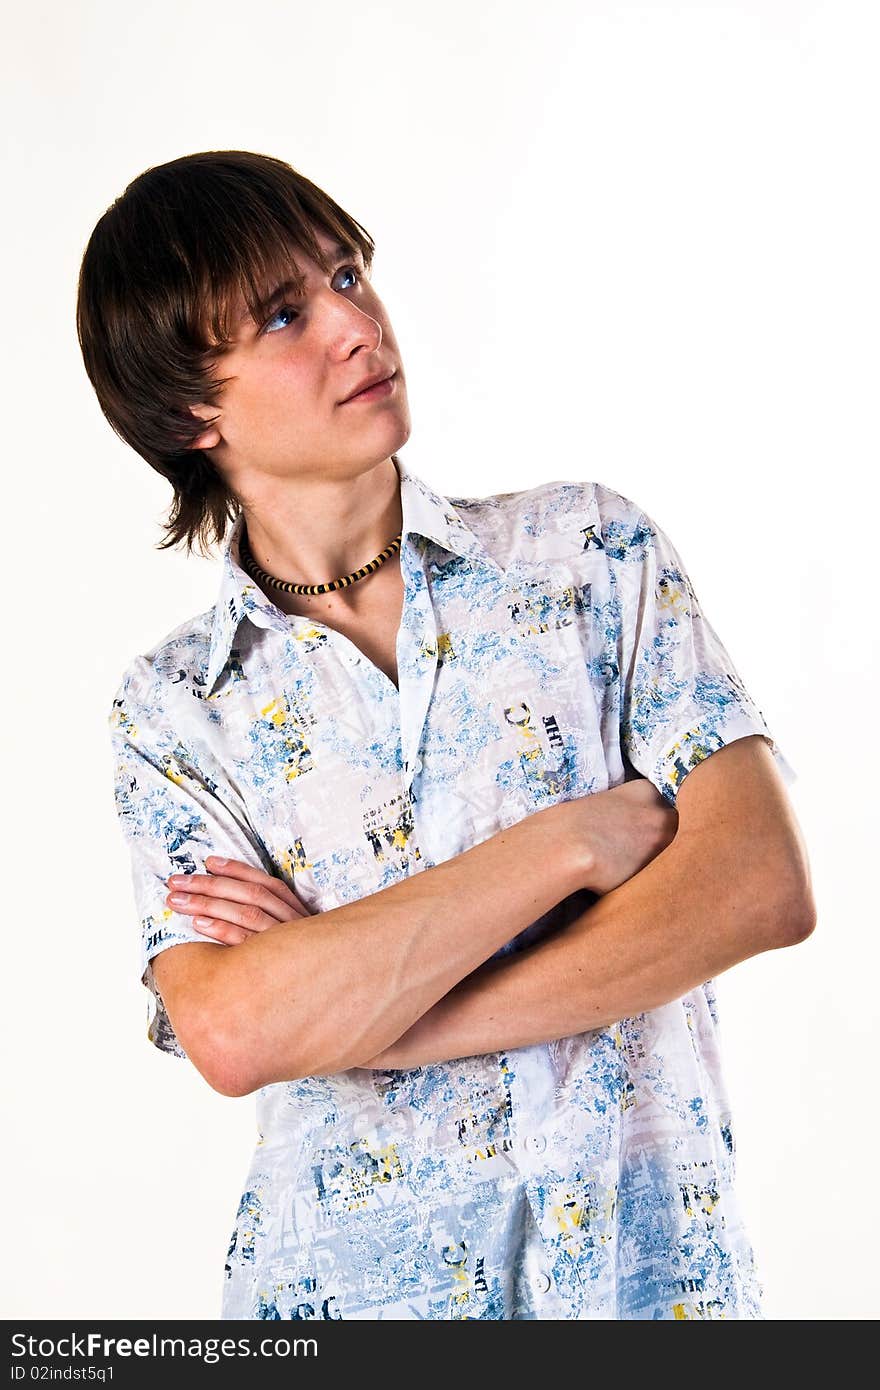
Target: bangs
[217, 231]
[241, 265]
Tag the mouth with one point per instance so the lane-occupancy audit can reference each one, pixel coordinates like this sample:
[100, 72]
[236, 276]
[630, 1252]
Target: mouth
[377, 391]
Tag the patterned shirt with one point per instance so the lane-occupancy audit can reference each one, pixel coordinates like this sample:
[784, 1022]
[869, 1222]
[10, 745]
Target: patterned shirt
[550, 646]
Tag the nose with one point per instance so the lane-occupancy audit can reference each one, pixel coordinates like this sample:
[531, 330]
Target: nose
[351, 328]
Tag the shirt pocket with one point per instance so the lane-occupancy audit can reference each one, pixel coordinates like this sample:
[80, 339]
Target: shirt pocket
[332, 807]
[561, 655]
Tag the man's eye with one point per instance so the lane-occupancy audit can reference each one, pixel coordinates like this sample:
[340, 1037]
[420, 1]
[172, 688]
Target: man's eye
[289, 308]
[285, 309]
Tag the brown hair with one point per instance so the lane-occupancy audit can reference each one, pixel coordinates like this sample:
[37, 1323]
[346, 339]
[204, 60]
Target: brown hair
[160, 276]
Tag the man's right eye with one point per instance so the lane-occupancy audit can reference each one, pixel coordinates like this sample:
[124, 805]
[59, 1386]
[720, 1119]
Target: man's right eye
[285, 309]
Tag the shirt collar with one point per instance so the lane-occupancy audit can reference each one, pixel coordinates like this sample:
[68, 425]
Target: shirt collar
[425, 513]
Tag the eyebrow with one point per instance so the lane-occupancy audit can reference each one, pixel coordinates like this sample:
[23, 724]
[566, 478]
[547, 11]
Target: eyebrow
[339, 251]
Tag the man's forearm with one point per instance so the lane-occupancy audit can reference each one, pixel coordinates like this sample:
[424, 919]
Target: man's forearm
[678, 922]
[311, 995]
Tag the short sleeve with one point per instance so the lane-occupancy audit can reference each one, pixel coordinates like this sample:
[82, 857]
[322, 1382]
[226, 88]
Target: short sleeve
[172, 818]
[682, 697]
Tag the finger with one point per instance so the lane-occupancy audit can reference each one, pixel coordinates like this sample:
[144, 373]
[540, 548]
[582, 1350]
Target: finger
[258, 892]
[235, 868]
[218, 930]
[244, 905]
[229, 921]
[255, 890]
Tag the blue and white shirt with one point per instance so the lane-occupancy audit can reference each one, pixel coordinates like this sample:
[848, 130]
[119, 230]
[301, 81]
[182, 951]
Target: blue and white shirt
[550, 644]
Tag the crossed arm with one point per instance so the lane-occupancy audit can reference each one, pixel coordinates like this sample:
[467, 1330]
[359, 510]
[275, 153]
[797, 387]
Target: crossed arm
[735, 881]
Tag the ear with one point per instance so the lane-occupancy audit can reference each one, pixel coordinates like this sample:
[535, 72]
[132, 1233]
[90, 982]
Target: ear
[211, 435]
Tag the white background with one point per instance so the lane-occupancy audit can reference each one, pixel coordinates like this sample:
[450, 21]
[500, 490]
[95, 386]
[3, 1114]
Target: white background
[628, 242]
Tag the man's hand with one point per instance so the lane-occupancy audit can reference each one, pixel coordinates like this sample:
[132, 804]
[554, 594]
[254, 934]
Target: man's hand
[619, 831]
[233, 900]
[736, 881]
[616, 833]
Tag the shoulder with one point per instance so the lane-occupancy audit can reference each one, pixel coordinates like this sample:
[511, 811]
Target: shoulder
[172, 668]
[555, 518]
[628, 533]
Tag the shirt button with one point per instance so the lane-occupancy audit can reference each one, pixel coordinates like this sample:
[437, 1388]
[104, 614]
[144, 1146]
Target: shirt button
[417, 765]
[536, 1143]
[542, 1283]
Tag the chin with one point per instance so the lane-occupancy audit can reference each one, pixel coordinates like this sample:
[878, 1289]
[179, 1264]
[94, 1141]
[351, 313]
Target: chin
[389, 435]
[403, 434]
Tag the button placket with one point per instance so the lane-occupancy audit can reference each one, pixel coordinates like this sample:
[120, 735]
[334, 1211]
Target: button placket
[416, 661]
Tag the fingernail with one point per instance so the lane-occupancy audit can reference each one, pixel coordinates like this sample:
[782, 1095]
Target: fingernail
[215, 859]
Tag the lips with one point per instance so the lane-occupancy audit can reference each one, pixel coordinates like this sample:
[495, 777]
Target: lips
[368, 382]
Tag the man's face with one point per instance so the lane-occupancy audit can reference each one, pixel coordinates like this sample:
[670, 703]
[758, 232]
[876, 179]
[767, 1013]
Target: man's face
[283, 413]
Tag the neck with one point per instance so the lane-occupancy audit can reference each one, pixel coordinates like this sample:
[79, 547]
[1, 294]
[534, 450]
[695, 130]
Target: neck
[349, 521]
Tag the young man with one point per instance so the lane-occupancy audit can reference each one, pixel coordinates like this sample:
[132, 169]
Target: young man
[467, 791]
